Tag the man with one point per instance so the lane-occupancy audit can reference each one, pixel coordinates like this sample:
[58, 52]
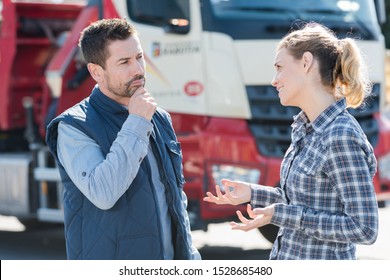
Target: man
[119, 159]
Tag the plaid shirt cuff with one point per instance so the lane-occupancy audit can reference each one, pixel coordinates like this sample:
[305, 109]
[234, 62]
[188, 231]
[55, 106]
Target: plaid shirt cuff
[287, 216]
[262, 196]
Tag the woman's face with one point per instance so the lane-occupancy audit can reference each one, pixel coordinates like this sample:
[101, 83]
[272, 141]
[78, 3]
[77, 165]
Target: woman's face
[289, 78]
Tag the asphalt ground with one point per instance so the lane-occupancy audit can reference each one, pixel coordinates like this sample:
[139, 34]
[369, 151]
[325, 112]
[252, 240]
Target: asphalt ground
[218, 243]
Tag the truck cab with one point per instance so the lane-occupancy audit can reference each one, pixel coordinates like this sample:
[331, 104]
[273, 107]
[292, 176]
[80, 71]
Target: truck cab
[210, 64]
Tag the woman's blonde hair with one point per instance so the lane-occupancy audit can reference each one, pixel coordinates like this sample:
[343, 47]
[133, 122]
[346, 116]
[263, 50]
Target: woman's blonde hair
[341, 64]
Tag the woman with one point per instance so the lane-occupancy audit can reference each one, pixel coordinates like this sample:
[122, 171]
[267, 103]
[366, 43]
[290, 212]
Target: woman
[326, 202]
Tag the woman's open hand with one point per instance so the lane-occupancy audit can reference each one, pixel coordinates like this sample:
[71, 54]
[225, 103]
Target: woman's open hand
[258, 217]
[235, 193]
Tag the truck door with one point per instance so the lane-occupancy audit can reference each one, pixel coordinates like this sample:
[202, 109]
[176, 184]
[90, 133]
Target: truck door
[170, 34]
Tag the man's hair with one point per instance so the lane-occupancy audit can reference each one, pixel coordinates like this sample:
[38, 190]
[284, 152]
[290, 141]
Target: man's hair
[95, 38]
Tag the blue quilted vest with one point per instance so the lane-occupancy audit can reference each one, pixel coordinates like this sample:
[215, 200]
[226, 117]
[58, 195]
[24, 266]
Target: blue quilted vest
[131, 228]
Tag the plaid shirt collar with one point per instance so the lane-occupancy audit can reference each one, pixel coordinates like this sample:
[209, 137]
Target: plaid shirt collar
[302, 126]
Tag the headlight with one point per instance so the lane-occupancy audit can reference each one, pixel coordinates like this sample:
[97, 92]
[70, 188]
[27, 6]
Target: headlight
[384, 167]
[236, 173]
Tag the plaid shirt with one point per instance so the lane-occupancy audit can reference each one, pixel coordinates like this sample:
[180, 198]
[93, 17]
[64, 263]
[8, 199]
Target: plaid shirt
[326, 202]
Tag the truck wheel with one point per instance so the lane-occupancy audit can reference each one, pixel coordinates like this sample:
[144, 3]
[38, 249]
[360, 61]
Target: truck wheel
[269, 232]
[34, 224]
[30, 223]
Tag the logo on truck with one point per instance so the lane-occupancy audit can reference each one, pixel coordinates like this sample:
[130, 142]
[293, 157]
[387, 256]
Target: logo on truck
[193, 88]
[176, 48]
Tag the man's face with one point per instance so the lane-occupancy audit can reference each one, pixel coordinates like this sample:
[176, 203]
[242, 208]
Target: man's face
[125, 68]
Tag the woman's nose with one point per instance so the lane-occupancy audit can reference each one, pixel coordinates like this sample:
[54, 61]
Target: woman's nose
[274, 82]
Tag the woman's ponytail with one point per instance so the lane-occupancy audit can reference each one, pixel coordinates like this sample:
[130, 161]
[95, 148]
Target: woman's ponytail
[350, 74]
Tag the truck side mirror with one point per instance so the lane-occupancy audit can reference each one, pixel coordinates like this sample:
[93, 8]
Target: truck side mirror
[177, 26]
[380, 9]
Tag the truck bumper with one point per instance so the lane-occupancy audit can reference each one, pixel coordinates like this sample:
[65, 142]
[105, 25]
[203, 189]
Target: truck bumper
[14, 184]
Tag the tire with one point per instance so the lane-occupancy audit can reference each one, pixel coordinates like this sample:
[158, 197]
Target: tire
[381, 204]
[269, 232]
[34, 224]
[29, 223]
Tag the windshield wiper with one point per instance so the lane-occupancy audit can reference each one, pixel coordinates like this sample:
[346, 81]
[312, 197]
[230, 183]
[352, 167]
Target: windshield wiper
[322, 11]
[292, 14]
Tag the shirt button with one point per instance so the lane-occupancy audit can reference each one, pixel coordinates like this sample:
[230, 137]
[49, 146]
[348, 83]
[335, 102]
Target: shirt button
[140, 159]
[83, 174]
[148, 133]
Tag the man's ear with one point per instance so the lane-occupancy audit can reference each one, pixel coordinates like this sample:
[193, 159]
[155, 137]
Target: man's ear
[96, 72]
[307, 60]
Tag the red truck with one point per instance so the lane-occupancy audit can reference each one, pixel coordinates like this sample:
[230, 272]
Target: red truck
[209, 63]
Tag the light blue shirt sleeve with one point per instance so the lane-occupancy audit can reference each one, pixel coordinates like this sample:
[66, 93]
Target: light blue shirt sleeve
[103, 180]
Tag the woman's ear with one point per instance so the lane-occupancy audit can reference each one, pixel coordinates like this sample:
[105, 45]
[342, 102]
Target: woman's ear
[307, 60]
[96, 72]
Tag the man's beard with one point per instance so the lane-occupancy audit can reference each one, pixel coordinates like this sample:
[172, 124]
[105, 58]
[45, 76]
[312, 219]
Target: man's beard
[128, 90]
[131, 90]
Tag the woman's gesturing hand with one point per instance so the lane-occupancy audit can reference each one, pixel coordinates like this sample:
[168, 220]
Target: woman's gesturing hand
[258, 217]
[235, 193]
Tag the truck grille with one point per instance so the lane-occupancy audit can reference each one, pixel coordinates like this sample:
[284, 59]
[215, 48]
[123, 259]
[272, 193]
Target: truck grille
[271, 122]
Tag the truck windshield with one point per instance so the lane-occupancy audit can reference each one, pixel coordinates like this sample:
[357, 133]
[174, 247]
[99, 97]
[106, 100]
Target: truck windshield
[254, 19]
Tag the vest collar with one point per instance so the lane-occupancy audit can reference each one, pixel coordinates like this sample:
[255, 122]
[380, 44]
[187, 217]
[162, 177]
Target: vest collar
[105, 103]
